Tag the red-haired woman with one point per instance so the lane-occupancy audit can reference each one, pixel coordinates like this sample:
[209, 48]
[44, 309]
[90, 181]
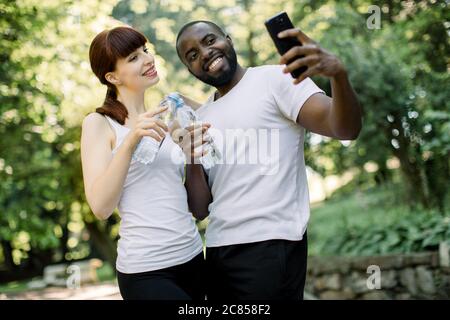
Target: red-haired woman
[160, 252]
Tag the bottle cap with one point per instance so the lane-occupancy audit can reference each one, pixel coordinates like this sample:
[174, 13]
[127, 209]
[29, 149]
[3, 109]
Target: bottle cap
[175, 97]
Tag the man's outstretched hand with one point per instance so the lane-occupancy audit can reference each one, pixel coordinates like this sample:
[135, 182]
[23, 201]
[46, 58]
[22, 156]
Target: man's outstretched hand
[318, 60]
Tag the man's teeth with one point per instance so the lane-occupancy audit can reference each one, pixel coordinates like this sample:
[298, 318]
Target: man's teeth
[213, 65]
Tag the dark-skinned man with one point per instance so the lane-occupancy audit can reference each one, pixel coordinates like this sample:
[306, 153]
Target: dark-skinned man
[256, 238]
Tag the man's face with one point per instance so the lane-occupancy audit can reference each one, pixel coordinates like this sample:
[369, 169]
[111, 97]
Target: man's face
[208, 54]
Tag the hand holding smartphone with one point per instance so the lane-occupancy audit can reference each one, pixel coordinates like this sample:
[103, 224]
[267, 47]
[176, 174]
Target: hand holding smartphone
[275, 25]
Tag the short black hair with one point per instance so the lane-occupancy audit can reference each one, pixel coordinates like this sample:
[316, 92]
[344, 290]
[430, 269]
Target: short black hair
[189, 24]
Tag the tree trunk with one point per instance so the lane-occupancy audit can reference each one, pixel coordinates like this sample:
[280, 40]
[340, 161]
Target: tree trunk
[7, 253]
[410, 166]
[383, 174]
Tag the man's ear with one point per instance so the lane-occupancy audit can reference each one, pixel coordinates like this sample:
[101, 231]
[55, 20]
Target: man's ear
[112, 78]
[229, 39]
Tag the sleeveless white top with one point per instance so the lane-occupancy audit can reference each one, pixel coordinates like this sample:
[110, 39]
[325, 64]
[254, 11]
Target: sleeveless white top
[156, 230]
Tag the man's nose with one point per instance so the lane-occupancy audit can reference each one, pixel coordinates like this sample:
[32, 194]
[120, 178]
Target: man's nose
[205, 53]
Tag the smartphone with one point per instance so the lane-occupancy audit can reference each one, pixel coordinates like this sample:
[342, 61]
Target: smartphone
[275, 25]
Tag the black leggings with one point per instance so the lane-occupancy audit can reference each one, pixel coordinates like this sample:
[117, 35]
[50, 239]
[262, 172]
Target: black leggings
[181, 282]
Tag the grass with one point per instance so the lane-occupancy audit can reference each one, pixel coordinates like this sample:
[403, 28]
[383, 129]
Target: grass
[363, 209]
[14, 286]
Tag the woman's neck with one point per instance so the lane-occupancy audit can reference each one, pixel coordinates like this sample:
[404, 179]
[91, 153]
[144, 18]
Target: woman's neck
[134, 102]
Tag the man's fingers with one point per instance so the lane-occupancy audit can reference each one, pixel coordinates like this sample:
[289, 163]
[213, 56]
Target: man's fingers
[308, 73]
[197, 143]
[197, 125]
[297, 33]
[307, 61]
[299, 51]
[195, 137]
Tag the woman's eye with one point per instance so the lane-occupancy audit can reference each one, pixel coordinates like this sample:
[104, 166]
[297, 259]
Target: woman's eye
[193, 56]
[211, 41]
[145, 50]
[133, 58]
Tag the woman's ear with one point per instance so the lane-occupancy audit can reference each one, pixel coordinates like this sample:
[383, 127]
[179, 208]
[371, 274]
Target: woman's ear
[112, 78]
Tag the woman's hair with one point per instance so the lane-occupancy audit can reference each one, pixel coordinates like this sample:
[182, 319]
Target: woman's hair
[106, 48]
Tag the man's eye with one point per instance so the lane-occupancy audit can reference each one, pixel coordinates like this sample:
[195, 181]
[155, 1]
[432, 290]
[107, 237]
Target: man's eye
[193, 57]
[133, 58]
[145, 50]
[211, 41]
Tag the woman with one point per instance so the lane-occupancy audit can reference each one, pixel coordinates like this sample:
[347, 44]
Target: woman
[160, 252]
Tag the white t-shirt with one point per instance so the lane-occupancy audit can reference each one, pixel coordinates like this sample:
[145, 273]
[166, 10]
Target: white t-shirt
[259, 190]
[157, 230]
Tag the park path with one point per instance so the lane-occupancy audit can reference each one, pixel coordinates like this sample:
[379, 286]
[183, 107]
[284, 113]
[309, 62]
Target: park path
[101, 291]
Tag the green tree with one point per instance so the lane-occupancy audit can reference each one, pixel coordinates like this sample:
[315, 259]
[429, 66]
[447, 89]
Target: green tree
[46, 89]
[400, 79]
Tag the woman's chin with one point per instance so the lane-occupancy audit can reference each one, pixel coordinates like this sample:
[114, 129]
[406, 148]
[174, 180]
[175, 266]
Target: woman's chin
[151, 82]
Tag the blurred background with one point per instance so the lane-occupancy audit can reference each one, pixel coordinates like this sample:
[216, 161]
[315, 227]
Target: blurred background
[385, 194]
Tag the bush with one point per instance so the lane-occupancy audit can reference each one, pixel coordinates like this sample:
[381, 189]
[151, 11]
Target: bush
[374, 221]
[418, 232]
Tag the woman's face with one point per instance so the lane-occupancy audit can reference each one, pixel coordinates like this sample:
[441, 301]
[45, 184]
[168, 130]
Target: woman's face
[137, 71]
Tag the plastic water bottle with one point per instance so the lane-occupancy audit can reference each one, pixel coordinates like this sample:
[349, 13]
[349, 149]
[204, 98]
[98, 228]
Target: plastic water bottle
[186, 116]
[146, 150]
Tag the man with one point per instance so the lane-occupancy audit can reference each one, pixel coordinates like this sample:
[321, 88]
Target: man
[256, 238]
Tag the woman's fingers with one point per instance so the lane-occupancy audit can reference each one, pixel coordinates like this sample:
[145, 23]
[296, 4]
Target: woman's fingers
[151, 133]
[155, 128]
[155, 112]
[154, 124]
[162, 125]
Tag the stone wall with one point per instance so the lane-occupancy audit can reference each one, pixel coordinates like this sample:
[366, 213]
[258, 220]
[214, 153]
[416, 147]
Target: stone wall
[409, 276]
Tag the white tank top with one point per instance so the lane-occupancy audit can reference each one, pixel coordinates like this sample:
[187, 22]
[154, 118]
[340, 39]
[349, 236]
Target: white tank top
[156, 230]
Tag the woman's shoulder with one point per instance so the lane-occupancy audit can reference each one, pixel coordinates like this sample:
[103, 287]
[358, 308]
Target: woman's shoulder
[97, 124]
[95, 121]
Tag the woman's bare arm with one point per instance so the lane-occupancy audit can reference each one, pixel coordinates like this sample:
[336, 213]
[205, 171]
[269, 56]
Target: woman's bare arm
[103, 174]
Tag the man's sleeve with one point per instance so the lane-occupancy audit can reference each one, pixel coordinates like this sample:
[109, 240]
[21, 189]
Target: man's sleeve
[289, 97]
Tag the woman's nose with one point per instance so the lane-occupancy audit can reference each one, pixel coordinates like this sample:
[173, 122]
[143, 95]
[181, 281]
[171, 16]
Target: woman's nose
[149, 59]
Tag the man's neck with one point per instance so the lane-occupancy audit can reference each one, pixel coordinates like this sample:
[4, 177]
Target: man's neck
[223, 90]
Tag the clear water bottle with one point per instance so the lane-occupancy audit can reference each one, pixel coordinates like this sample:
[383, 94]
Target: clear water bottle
[186, 116]
[148, 148]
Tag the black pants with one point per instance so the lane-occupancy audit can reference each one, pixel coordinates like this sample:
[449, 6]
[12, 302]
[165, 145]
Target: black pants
[267, 270]
[181, 282]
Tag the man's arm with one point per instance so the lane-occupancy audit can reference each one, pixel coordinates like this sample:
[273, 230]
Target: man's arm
[196, 184]
[198, 192]
[338, 117]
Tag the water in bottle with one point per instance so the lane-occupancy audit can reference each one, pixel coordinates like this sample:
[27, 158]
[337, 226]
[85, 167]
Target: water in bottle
[186, 116]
